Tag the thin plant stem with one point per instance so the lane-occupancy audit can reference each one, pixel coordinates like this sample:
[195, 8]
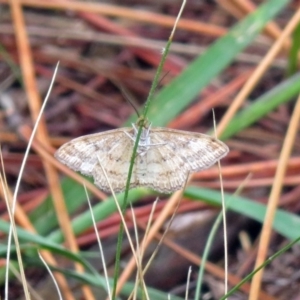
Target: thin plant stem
[161, 64]
[224, 219]
[52, 276]
[212, 236]
[99, 243]
[13, 208]
[141, 124]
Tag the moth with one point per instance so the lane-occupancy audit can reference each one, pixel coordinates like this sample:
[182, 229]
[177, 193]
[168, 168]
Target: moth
[164, 157]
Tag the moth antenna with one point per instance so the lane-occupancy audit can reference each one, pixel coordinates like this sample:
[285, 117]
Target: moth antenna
[142, 121]
[128, 97]
[160, 81]
[131, 103]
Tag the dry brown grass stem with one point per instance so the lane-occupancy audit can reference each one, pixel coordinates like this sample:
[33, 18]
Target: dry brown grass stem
[123, 12]
[34, 100]
[274, 198]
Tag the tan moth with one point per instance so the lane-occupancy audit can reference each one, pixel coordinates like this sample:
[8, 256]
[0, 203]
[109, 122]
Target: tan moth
[164, 158]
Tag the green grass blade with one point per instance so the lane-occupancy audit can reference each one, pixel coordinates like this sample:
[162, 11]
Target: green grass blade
[101, 211]
[285, 223]
[281, 94]
[44, 217]
[41, 243]
[293, 57]
[126, 290]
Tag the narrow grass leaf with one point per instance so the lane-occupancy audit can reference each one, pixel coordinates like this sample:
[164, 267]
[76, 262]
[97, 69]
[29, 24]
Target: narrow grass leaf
[285, 223]
[44, 217]
[100, 211]
[293, 56]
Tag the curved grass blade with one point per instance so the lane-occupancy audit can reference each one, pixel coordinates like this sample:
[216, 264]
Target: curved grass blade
[100, 211]
[293, 57]
[285, 223]
[41, 242]
[126, 290]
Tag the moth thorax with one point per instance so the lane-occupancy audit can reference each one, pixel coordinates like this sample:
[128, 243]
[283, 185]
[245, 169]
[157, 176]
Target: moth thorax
[144, 142]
